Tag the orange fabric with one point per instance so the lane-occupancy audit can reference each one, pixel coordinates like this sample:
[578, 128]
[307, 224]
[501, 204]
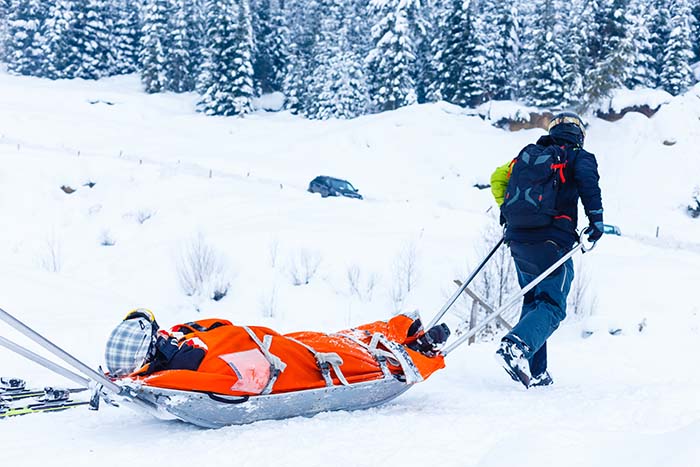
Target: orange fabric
[230, 343]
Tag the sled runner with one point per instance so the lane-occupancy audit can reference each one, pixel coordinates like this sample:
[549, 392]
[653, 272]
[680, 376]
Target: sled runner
[251, 381]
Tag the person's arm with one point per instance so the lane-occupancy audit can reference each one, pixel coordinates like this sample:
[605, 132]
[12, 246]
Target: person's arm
[499, 182]
[587, 178]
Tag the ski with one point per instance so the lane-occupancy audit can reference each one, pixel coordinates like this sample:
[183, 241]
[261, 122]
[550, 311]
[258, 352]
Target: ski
[39, 407]
[12, 389]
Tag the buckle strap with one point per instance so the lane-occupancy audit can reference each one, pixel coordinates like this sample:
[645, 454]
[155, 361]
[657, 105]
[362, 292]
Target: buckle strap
[277, 366]
[379, 355]
[398, 353]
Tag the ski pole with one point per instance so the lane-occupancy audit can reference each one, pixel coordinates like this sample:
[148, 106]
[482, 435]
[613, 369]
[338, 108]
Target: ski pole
[464, 285]
[520, 294]
[36, 358]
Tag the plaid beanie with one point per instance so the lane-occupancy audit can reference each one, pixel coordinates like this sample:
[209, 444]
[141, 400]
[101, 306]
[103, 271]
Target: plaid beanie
[131, 344]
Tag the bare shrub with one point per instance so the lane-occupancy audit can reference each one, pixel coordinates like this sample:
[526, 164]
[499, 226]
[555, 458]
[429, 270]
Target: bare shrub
[496, 282]
[106, 238]
[268, 303]
[51, 258]
[359, 286]
[694, 204]
[143, 215]
[273, 250]
[303, 266]
[580, 303]
[202, 270]
[404, 274]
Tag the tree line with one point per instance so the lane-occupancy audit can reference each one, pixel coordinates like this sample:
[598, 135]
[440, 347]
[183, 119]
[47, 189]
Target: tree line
[345, 58]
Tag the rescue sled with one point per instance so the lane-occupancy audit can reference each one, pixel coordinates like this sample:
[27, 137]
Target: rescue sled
[213, 410]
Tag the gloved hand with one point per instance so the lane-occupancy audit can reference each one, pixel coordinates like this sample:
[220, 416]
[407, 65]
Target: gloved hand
[594, 231]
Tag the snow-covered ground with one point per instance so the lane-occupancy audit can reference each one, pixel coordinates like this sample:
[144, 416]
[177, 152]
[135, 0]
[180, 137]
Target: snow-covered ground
[164, 176]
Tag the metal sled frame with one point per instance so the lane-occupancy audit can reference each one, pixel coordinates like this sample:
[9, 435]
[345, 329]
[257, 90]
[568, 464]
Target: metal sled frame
[216, 411]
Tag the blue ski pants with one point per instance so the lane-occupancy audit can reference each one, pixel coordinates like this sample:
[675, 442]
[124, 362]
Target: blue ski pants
[544, 307]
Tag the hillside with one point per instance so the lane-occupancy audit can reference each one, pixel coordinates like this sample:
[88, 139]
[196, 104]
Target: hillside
[164, 175]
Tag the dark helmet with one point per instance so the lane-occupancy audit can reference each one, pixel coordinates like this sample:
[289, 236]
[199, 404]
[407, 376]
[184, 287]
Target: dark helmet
[567, 127]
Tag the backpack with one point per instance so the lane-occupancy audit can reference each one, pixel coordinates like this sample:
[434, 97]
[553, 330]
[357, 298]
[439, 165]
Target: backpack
[535, 177]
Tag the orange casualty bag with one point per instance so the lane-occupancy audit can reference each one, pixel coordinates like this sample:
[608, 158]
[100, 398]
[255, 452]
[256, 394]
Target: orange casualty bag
[253, 360]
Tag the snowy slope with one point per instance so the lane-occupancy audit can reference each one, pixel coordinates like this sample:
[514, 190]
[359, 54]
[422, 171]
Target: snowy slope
[629, 399]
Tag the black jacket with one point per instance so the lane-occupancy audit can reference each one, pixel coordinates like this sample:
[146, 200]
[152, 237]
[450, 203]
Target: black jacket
[581, 174]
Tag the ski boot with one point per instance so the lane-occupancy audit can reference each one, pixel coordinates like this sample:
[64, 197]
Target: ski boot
[512, 359]
[543, 379]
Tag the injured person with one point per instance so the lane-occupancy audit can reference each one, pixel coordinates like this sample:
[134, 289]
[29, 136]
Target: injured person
[216, 356]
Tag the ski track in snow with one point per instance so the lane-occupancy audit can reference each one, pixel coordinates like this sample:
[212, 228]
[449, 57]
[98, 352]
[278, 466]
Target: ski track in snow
[622, 400]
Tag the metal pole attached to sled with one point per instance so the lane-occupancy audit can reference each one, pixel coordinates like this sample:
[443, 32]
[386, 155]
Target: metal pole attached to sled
[59, 352]
[464, 285]
[36, 358]
[520, 294]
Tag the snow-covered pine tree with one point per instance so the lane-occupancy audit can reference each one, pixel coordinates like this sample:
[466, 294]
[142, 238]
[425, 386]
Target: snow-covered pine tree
[226, 82]
[154, 34]
[502, 59]
[695, 13]
[545, 77]
[59, 44]
[425, 32]
[126, 33]
[91, 32]
[391, 61]
[179, 70]
[77, 40]
[271, 36]
[676, 75]
[25, 41]
[575, 53]
[303, 20]
[613, 60]
[4, 13]
[338, 82]
[657, 18]
[643, 71]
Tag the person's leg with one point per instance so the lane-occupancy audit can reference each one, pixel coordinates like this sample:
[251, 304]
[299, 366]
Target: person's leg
[549, 297]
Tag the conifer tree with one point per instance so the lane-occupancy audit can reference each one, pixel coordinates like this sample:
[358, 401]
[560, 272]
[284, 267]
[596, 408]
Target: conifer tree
[614, 58]
[226, 82]
[338, 81]
[90, 38]
[304, 20]
[658, 19]
[575, 51]
[271, 54]
[545, 77]
[676, 74]
[59, 45]
[154, 35]
[643, 70]
[391, 62]
[502, 80]
[179, 68]
[125, 37]
[695, 14]
[25, 46]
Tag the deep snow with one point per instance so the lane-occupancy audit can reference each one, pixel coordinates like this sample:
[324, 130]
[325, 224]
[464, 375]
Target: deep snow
[629, 399]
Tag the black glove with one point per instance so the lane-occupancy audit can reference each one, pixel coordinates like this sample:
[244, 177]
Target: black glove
[502, 219]
[430, 342]
[595, 226]
[594, 231]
